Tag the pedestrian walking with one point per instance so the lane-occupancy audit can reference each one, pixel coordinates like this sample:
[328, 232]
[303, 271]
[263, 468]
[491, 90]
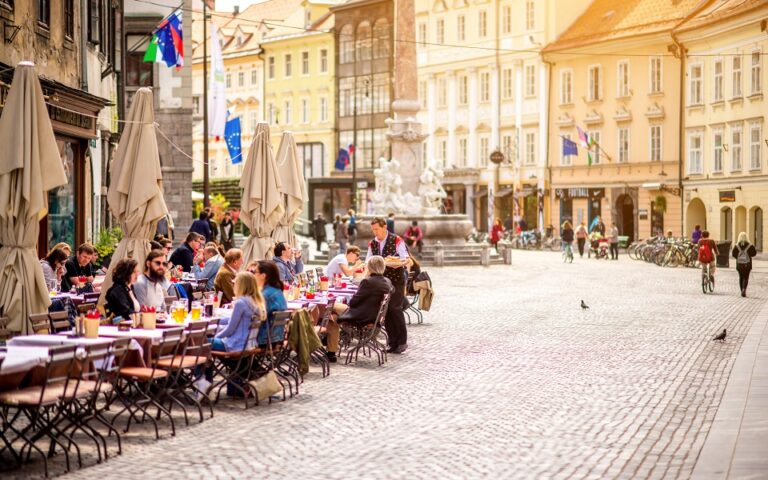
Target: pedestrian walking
[613, 238]
[496, 231]
[352, 226]
[391, 223]
[318, 229]
[581, 237]
[201, 226]
[227, 228]
[743, 252]
[696, 234]
[342, 233]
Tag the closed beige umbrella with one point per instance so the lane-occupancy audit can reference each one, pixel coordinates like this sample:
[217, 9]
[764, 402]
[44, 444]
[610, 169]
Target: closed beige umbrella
[262, 203]
[293, 190]
[30, 165]
[135, 195]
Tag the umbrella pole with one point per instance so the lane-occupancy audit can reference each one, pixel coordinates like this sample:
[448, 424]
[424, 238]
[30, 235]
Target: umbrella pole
[206, 180]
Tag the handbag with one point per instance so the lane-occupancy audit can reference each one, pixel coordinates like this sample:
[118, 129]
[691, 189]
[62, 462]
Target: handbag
[267, 385]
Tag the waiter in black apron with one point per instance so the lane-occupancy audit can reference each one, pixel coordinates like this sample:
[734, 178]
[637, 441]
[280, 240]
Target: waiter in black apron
[388, 244]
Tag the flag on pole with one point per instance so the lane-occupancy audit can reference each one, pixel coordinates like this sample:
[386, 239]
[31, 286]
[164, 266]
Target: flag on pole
[569, 147]
[342, 160]
[232, 136]
[589, 158]
[167, 44]
[583, 137]
[217, 92]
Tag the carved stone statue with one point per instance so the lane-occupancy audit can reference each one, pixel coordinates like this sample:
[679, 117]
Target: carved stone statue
[431, 191]
[388, 195]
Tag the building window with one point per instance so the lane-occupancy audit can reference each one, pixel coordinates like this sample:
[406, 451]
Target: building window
[463, 89]
[271, 68]
[381, 39]
[482, 23]
[254, 119]
[656, 75]
[323, 109]
[271, 113]
[717, 93]
[485, 87]
[254, 77]
[507, 19]
[347, 44]
[44, 13]
[69, 18]
[288, 65]
[565, 160]
[755, 135]
[324, 60]
[462, 152]
[138, 72]
[756, 71]
[442, 92]
[594, 82]
[717, 145]
[623, 145]
[655, 153]
[440, 31]
[287, 112]
[442, 151]
[94, 22]
[530, 15]
[530, 148]
[735, 149]
[695, 86]
[566, 87]
[736, 76]
[507, 83]
[461, 29]
[346, 98]
[305, 63]
[304, 110]
[229, 80]
[423, 34]
[423, 94]
[241, 79]
[622, 79]
[694, 152]
[363, 42]
[483, 159]
[530, 81]
[594, 150]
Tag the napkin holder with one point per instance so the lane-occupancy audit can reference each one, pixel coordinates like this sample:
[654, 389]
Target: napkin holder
[149, 320]
[92, 326]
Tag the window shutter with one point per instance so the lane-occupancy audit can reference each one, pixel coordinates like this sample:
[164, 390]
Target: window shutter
[93, 21]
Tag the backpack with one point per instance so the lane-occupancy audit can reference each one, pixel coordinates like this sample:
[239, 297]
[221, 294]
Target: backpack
[705, 252]
[743, 257]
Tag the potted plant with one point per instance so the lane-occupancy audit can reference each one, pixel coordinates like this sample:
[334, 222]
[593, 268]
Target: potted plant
[106, 245]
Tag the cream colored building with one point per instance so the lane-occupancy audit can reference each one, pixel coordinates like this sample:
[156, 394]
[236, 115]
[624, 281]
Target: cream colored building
[725, 173]
[616, 75]
[483, 87]
[240, 35]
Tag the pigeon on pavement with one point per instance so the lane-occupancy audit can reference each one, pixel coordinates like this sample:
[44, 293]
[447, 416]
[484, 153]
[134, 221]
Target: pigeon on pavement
[584, 306]
[720, 336]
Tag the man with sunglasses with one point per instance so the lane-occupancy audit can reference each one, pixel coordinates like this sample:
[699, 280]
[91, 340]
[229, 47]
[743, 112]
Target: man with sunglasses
[151, 287]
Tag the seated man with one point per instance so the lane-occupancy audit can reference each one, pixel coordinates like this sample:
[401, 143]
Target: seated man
[212, 262]
[151, 287]
[79, 266]
[363, 306]
[225, 279]
[288, 268]
[344, 263]
[184, 255]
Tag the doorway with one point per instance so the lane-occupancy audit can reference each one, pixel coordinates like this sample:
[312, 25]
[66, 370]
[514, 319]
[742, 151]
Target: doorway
[726, 224]
[696, 215]
[625, 208]
[756, 220]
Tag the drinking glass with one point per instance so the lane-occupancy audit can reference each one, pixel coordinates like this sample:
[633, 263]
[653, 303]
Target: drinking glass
[196, 311]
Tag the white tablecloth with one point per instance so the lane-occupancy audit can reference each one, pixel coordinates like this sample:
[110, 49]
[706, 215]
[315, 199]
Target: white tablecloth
[22, 358]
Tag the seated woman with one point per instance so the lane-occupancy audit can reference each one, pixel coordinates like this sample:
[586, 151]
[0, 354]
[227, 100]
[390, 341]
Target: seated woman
[363, 306]
[268, 277]
[53, 269]
[248, 302]
[120, 300]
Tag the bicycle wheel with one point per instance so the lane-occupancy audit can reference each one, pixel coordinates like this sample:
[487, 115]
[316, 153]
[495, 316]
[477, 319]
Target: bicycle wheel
[711, 283]
[556, 244]
[704, 282]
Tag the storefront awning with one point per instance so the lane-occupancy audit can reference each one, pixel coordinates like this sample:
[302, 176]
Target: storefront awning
[480, 194]
[504, 192]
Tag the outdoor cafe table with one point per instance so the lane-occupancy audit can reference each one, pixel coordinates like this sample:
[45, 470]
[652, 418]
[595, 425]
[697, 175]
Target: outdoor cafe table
[17, 362]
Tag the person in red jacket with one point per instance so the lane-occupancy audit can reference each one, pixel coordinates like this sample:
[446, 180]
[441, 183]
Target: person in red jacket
[496, 230]
[413, 236]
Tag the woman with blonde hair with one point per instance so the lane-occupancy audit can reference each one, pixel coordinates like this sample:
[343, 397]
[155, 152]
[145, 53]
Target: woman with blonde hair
[63, 246]
[248, 302]
[743, 252]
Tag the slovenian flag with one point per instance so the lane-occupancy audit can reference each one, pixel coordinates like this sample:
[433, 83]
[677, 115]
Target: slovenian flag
[342, 160]
[167, 44]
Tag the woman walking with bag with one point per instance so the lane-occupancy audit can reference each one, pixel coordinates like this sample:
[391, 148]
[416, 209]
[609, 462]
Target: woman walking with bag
[581, 238]
[743, 252]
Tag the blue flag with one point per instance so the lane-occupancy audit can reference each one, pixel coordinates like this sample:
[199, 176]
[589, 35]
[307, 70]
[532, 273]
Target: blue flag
[232, 137]
[569, 147]
[342, 160]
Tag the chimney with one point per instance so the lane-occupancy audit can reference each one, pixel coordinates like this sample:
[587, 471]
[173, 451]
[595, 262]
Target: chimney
[236, 9]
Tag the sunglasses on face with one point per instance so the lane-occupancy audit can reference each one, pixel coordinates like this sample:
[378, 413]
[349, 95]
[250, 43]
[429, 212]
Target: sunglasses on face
[164, 264]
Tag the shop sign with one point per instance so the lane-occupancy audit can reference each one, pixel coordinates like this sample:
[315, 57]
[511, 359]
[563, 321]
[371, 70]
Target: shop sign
[727, 195]
[642, 213]
[580, 192]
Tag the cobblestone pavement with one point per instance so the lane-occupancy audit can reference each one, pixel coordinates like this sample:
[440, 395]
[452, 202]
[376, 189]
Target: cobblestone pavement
[507, 378]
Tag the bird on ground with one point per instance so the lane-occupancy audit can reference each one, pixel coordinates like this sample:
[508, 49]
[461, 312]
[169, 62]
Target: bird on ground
[584, 306]
[720, 336]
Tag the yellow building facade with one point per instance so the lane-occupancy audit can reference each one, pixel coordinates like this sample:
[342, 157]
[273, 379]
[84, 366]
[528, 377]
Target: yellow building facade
[725, 174]
[300, 85]
[616, 76]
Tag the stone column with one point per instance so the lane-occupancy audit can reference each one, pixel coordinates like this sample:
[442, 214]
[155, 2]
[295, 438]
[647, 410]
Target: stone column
[469, 205]
[473, 105]
[451, 160]
[431, 117]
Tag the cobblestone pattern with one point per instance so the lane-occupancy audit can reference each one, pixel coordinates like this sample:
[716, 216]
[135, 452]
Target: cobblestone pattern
[508, 378]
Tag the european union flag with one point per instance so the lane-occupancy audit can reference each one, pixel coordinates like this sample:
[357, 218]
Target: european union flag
[569, 147]
[232, 137]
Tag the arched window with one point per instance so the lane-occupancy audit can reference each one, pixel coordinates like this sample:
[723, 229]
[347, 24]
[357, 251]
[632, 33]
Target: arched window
[347, 44]
[381, 39]
[363, 41]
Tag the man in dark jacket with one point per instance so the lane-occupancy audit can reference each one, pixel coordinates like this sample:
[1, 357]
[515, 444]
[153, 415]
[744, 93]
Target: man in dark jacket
[185, 254]
[201, 226]
[318, 229]
[227, 232]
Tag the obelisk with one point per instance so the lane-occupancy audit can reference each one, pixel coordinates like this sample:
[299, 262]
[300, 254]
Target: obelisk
[405, 130]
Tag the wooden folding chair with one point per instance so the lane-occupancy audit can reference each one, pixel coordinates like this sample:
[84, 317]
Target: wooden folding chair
[40, 323]
[59, 321]
[5, 333]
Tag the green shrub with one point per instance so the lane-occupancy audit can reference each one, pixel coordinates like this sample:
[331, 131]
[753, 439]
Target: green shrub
[107, 243]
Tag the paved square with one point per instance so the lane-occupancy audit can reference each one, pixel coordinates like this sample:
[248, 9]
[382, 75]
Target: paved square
[508, 378]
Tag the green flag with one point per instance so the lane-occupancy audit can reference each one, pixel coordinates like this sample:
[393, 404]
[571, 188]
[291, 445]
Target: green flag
[589, 158]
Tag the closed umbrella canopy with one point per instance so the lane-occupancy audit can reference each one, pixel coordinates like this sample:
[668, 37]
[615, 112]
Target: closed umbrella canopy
[294, 191]
[30, 165]
[135, 195]
[261, 204]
